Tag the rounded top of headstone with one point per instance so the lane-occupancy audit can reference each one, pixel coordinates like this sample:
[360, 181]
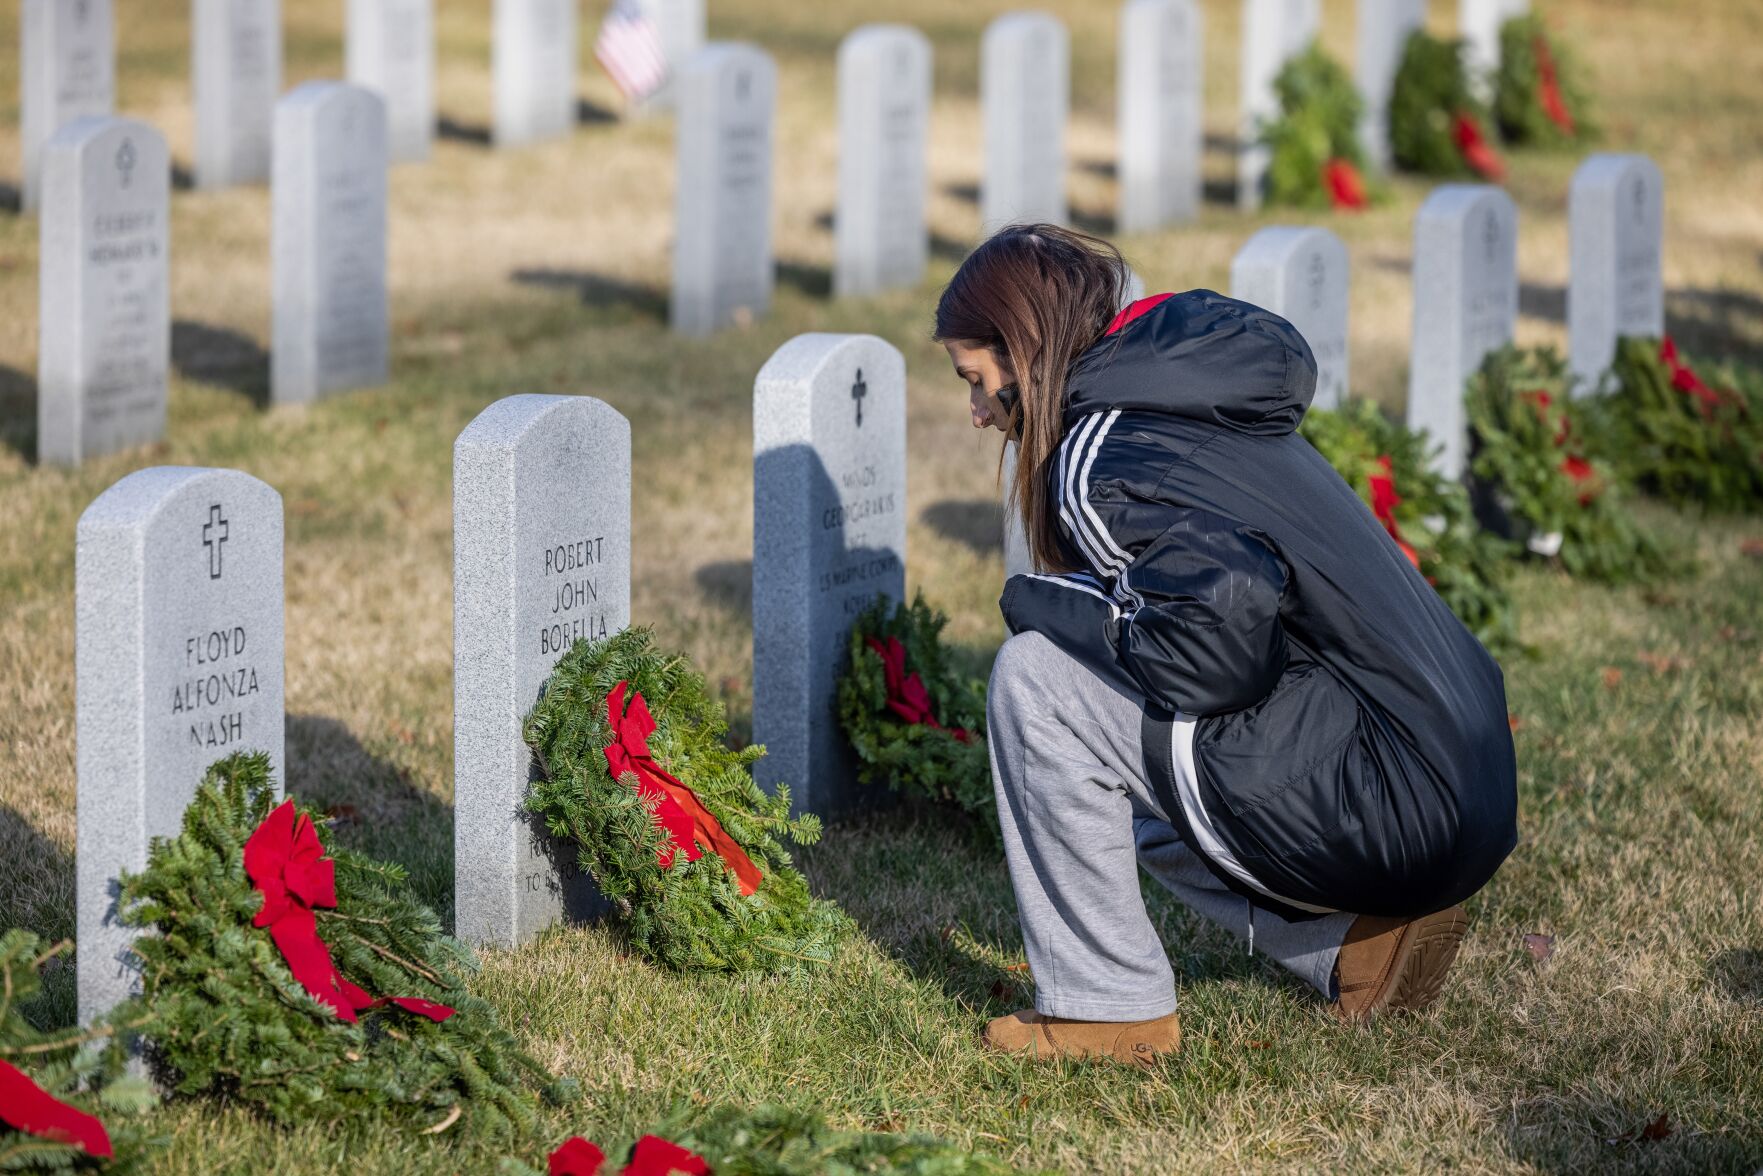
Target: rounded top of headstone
[323, 92]
[720, 55]
[513, 418]
[802, 358]
[883, 33]
[1611, 168]
[133, 500]
[1017, 24]
[1455, 200]
[1276, 244]
[81, 133]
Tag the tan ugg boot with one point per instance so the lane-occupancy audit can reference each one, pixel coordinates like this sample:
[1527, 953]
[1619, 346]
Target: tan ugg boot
[1387, 964]
[1137, 1043]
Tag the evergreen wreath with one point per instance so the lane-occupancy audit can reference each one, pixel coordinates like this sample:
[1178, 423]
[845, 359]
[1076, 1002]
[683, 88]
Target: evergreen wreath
[768, 1140]
[1524, 450]
[678, 907]
[1438, 127]
[1539, 97]
[1428, 515]
[66, 1102]
[916, 724]
[1676, 436]
[1317, 159]
[224, 1014]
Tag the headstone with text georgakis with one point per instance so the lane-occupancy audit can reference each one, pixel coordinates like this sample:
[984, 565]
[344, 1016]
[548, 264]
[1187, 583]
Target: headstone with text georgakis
[104, 313]
[722, 263]
[178, 662]
[329, 242]
[829, 534]
[1384, 27]
[1025, 95]
[680, 25]
[1161, 112]
[541, 557]
[391, 51]
[237, 56]
[67, 70]
[1300, 274]
[1616, 288]
[533, 58]
[1274, 31]
[884, 118]
[1465, 305]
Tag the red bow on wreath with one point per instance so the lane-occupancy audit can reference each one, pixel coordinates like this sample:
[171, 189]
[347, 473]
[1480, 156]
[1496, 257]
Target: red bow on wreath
[1549, 87]
[676, 807]
[1685, 380]
[31, 1109]
[907, 696]
[1384, 501]
[1473, 146]
[1577, 468]
[653, 1156]
[286, 863]
[1346, 187]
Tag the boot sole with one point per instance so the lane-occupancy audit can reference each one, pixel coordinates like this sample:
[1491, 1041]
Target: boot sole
[1423, 960]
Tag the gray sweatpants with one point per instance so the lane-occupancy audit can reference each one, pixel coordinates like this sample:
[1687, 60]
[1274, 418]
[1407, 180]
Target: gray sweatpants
[1079, 819]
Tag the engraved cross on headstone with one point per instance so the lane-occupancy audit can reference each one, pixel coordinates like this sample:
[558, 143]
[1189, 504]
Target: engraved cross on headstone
[125, 160]
[213, 538]
[858, 391]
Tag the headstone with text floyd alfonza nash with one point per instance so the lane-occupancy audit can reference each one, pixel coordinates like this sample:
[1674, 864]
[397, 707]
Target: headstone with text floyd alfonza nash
[104, 312]
[1465, 305]
[829, 534]
[541, 557]
[178, 663]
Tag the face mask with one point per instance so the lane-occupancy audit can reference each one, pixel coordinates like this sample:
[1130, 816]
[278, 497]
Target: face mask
[1008, 396]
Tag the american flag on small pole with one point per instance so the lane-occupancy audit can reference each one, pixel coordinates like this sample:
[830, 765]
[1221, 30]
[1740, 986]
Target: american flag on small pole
[629, 48]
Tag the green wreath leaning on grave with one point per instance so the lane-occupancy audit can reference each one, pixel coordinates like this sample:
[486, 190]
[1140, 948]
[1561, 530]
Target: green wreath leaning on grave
[1316, 157]
[1527, 447]
[1539, 96]
[916, 724]
[667, 818]
[305, 981]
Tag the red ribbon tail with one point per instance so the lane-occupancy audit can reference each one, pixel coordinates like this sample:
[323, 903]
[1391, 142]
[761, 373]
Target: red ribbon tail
[34, 1111]
[654, 1156]
[709, 832]
[307, 957]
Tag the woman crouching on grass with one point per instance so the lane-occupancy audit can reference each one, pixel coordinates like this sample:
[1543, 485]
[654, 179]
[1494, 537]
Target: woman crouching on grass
[1223, 669]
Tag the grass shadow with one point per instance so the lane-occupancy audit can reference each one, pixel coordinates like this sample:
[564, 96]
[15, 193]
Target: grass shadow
[454, 131]
[966, 193]
[182, 178]
[37, 894]
[1721, 323]
[18, 411]
[1548, 303]
[11, 198]
[728, 583]
[223, 357]
[975, 523]
[1100, 224]
[598, 290]
[377, 806]
[1738, 973]
[1106, 169]
[591, 113]
[816, 281]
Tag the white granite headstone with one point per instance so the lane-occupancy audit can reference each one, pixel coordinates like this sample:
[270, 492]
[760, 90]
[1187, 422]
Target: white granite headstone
[533, 57]
[722, 263]
[1301, 275]
[1161, 112]
[1384, 27]
[178, 661]
[104, 314]
[1274, 31]
[1616, 228]
[329, 242]
[67, 70]
[1465, 305]
[391, 51]
[541, 557]
[680, 24]
[1478, 23]
[829, 534]
[884, 118]
[237, 57]
[1025, 95]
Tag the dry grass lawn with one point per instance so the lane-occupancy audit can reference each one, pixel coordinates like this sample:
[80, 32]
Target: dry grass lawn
[545, 270]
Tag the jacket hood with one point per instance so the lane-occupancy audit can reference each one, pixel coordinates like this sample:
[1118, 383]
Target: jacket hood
[1198, 355]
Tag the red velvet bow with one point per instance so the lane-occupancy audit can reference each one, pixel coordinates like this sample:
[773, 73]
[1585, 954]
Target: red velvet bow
[1384, 501]
[1346, 188]
[286, 862]
[676, 807]
[1685, 380]
[652, 1156]
[1549, 87]
[907, 696]
[1573, 465]
[1473, 146]
[34, 1111]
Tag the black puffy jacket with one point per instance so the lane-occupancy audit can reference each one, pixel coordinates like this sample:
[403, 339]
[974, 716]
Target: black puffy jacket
[1351, 749]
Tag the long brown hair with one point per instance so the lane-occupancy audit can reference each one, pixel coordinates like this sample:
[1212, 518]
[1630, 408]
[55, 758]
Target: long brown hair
[1036, 296]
